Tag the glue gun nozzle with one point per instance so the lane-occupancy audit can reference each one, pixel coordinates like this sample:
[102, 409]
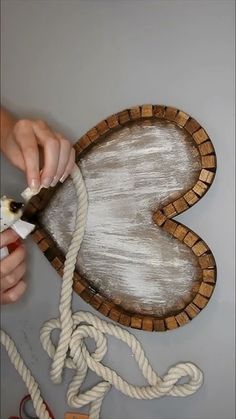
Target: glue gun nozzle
[15, 206]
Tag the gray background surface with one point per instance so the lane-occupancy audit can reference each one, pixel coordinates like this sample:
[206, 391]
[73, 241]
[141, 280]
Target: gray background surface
[74, 63]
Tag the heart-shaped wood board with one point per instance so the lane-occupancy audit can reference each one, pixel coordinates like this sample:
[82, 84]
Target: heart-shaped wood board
[142, 167]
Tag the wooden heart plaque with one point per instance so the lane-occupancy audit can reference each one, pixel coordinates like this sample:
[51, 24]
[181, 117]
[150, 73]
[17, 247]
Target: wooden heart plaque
[137, 265]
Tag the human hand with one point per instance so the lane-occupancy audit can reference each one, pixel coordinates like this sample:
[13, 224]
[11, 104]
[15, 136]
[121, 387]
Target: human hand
[12, 269]
[44, 155]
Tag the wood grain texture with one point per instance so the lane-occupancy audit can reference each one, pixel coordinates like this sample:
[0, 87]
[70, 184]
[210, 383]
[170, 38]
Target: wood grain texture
[181, 118]
[191, 198]
[147, 111]
[192, 126]
[170, 113]
[200, 136]
[162, 218]
[135, 113]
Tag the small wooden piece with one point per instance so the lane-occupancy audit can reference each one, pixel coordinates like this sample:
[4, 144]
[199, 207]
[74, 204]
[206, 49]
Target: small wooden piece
[182, 318]
[105, 308]
[37, 235]
[112, 121]
[159, 325]
[96, 301]
[206, 148]
[123, 117]
[87, 294]
[61, 271]
[170, 211]
[135, 113]
[102, 127]
[159, 218]
[192, 310]
[93, 134]
[147, 111]
[43, 245]
[56, 263]
[180, 205]
[78, 287]
[170, 113]
[78, 149]
[84, 142]
[125, 320]
[170, 226]
[191, 126]
[206, 261]
[209, 275]
[206, 289]
[180, 232]
[200, 136]
[209, 162]
[181, 118]
[206, 176]
[199, 248]
[200, 301]
[147, 324]
[136, 322]
[200, 188]
[191, 198]
[159, 111]
[114, 314]
[171, 323]
[190, 239]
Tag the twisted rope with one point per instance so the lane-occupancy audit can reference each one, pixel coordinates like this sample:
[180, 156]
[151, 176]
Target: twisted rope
[24, 372]
[71, 351]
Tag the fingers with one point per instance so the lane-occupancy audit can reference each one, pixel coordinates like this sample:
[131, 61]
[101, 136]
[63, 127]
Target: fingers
[9, 263]
[26, 140]
[51, 146]
[69, 166]
[9, 281]
[58, 155]
[65, 151]
[13, 294]
[7, 237]
[12, 270]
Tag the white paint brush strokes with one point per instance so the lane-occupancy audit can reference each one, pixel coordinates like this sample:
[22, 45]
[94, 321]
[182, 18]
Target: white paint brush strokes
[135, 170]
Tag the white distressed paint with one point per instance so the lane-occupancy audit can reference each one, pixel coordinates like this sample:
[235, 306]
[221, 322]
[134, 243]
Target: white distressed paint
[124, 255]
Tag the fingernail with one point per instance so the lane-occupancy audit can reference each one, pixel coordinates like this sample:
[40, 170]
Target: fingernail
[63, 178]
[54, 182]
[34, 185]
[46, 182]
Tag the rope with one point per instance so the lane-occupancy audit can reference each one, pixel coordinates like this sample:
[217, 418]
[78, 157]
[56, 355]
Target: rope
[21, 368]
[71, 350]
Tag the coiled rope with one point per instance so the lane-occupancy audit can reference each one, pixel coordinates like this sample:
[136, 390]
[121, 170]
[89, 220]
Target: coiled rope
[71, 350]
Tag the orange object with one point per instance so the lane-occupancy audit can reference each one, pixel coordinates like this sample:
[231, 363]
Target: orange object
[76, 416]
